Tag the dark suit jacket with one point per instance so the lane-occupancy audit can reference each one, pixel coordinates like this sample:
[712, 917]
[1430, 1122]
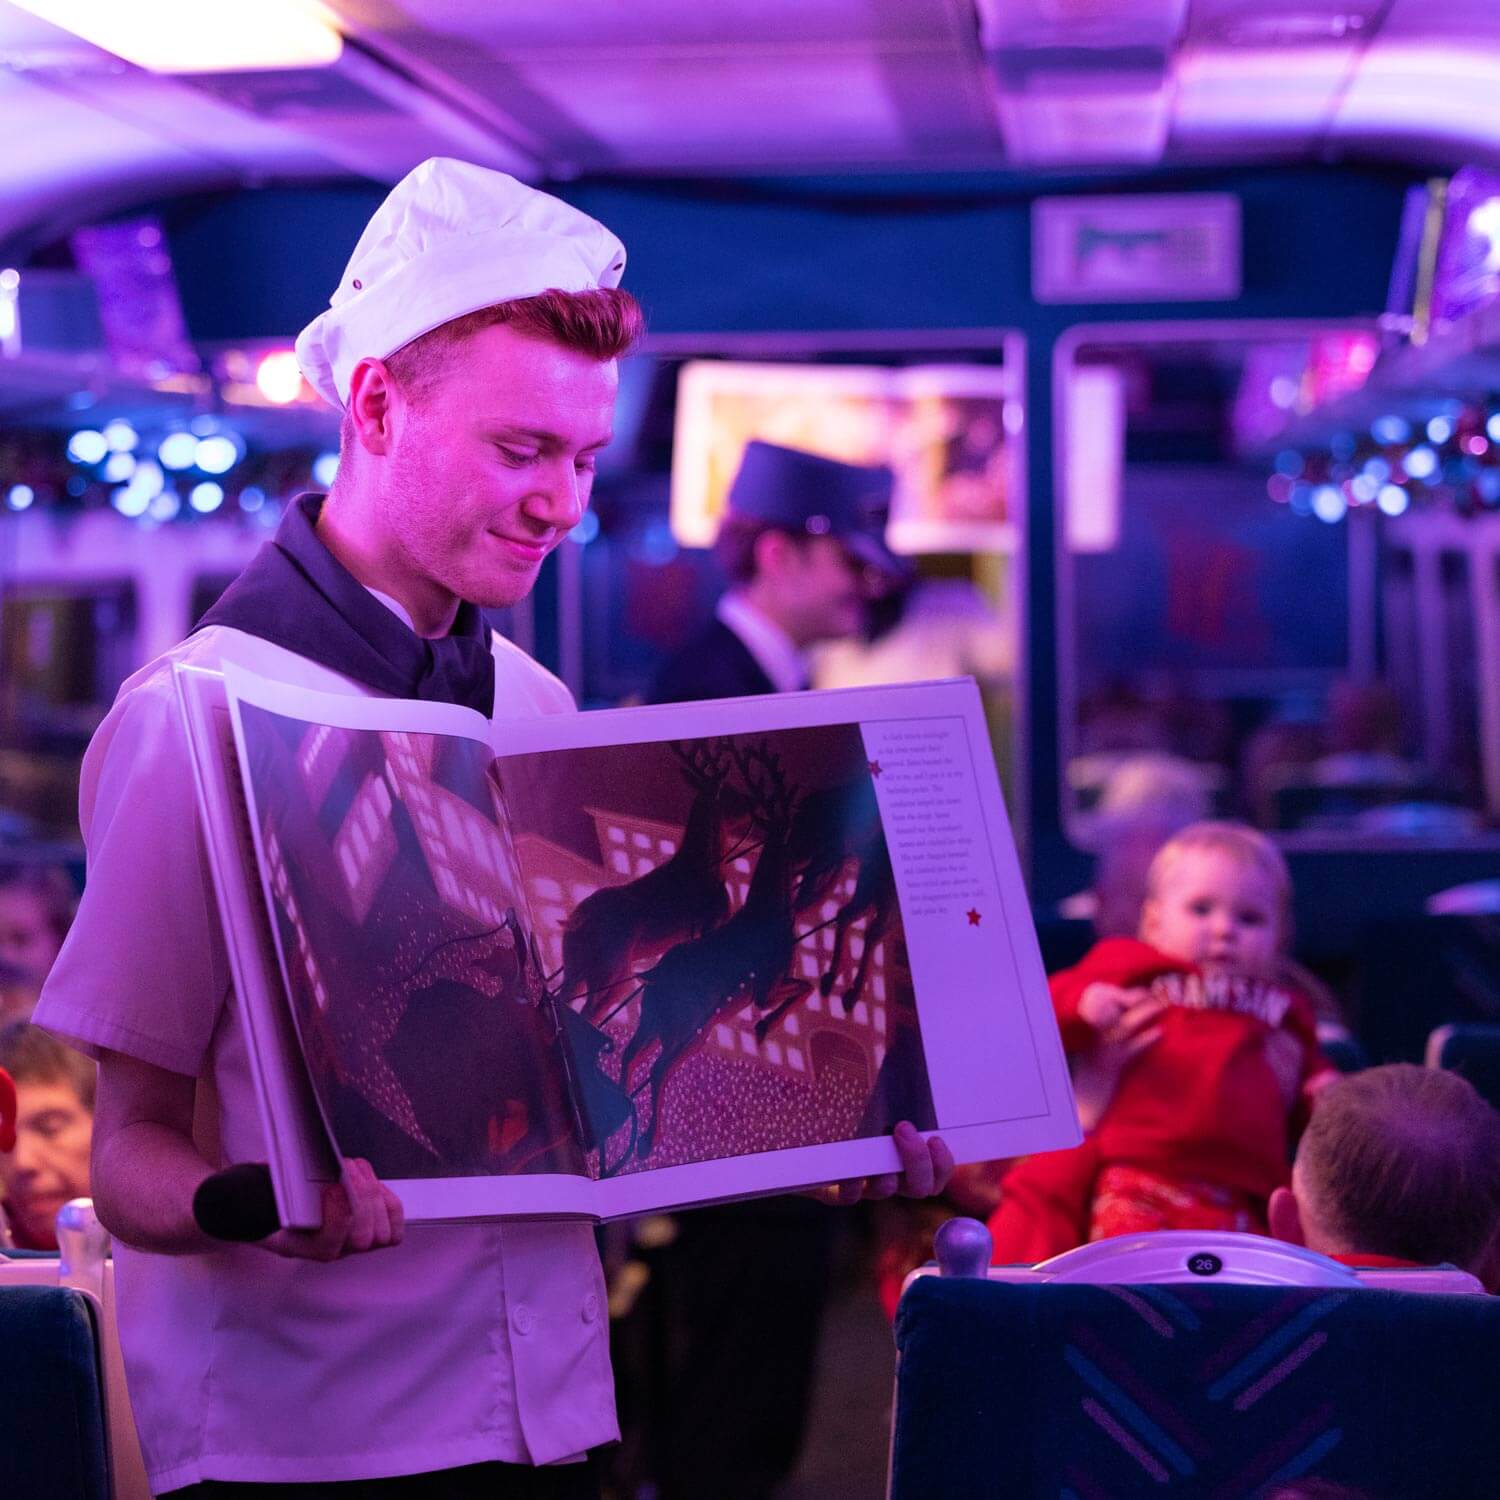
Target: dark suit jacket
[741, 1282]
[714, 664]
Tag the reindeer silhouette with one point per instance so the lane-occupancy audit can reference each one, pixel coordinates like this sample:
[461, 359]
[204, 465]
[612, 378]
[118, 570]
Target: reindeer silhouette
[873, 897]
[843, 825]
[608, 933]
[831, 826]
[702, 978]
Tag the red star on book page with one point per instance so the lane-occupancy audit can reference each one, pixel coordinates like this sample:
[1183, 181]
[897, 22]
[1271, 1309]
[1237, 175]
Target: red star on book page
[875, 768]
[973, 916]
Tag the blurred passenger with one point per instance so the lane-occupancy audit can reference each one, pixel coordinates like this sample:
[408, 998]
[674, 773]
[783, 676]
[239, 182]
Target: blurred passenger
[1364, 739]
[19, 993]
[1145, 799]
[36, 910]
[1279, 753]
[54, 1130]
[1166, 787]
[1196, 1134]
[741, 1288]
[945, 628]
[801, 547]
[1199, 728]
[1118, 718]
[1399, 1166]
[1126, 849]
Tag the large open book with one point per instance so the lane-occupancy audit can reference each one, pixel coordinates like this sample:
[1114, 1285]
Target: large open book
[601, 964]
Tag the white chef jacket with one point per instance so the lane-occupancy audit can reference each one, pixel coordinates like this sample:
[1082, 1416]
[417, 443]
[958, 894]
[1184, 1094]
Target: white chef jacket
[464, 1344]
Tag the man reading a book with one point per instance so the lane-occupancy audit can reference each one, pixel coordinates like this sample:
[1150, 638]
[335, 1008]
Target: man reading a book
[472, 346]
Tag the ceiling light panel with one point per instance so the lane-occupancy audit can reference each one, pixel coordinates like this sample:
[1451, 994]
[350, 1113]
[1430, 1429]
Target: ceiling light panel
[1429, 77]
[191, 36]
[1256, 95]
[728, 108]
[1426, 93]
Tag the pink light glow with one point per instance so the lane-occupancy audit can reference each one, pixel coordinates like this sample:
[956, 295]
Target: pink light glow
[278, 377]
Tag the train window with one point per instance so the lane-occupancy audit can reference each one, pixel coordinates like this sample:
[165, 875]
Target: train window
[944, 410]
[1235, 639]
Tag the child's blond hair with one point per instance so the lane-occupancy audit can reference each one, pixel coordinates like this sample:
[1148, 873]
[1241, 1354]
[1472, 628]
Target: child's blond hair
[1247, 846]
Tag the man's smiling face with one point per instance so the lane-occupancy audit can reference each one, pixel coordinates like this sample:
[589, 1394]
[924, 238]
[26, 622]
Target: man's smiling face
[492, 464]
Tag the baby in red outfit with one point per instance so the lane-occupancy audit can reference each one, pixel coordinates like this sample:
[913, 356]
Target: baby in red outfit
[1198, 1132]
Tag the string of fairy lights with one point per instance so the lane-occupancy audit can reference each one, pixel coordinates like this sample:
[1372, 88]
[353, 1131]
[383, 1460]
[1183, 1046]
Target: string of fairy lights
[195, 470]
[1450, 460]
[203, 468]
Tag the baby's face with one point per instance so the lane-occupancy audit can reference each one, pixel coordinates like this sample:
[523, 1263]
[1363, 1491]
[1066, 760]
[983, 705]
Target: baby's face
[1215, 911]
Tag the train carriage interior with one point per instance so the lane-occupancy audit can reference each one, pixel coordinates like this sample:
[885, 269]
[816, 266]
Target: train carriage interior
[1178, 324]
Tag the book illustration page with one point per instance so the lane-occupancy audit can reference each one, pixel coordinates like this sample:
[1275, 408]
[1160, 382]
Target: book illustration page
[428, 1031]
[316, 1161]
[294, 1139]
[722, 912]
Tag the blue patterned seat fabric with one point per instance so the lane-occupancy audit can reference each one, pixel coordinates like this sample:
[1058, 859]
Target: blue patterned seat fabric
[1106, 1393]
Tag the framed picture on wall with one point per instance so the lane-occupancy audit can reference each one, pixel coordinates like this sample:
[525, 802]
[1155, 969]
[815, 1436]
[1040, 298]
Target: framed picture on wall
[1136, 247]
[950, 433]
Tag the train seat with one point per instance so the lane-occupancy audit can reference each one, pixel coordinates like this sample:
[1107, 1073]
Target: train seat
[964, 1246]
[1479, 898]
[1187, 1382]
[52, 1436]
[1472, 1051]
[1421, 972]
[25, 1272]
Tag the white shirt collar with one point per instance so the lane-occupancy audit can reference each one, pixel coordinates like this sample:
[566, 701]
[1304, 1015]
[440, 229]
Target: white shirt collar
[773, 649]
[395, 607]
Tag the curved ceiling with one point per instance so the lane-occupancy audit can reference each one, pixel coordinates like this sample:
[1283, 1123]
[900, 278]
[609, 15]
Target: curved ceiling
[726, 87]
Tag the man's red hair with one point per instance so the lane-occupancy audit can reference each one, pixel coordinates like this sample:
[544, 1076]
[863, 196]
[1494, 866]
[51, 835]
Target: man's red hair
[603, 324]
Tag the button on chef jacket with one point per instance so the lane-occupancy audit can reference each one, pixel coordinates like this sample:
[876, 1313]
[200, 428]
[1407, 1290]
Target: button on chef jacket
[464, 1344]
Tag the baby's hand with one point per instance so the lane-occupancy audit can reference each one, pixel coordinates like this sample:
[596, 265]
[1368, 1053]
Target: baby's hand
[1101, 1005]
[1098, 1071]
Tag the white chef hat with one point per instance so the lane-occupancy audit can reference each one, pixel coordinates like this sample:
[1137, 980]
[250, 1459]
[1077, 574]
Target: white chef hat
[449, 239]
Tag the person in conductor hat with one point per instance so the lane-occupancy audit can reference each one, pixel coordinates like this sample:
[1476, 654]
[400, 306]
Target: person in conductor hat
[471, 346]
[802, 546]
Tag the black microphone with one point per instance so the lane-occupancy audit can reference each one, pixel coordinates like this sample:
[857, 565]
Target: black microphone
[237, 1204]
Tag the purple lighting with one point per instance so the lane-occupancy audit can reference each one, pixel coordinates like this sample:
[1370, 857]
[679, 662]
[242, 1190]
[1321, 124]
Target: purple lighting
[1392, 499]
[1328, 504]
[207, 497]
[1421, 462]
[177, 449]
[87, 446]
